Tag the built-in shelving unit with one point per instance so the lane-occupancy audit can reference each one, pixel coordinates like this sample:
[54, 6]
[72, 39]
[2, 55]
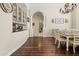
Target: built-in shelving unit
[19, 17]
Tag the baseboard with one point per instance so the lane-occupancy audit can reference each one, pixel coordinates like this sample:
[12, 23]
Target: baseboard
[15, 49]
[48, 36]
[43, 36]
[40, 37]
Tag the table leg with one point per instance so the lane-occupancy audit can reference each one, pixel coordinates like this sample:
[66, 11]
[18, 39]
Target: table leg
[67, 44]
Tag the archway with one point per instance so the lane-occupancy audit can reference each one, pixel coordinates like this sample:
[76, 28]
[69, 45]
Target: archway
[37, 24]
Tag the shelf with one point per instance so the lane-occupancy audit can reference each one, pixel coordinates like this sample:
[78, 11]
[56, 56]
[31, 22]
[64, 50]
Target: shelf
[19, 22]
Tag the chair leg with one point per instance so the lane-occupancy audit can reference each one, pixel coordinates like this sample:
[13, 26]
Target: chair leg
[58, 44]
[73, 48]
[55, 41]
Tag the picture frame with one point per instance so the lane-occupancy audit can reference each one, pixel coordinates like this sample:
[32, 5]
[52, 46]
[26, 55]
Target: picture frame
[6, 7]
[59, 20]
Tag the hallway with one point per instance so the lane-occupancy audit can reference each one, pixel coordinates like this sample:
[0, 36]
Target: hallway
[38, 46]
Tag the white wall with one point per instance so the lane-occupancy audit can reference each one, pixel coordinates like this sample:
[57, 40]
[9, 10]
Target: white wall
[50, 11]
[9, 41]
[75, 18]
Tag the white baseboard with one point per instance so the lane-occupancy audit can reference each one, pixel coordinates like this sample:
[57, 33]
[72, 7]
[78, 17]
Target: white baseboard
[43, 36]
[15, 49]
[47, 35]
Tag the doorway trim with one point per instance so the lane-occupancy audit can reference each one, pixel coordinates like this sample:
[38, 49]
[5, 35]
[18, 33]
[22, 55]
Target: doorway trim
[43, 19]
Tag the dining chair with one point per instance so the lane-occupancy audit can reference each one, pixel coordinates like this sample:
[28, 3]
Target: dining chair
[75, 42]
[59, 37]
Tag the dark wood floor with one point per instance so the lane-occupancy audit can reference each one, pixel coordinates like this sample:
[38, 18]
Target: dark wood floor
[43, 46]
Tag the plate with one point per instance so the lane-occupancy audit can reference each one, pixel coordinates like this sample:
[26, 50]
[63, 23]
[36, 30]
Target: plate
[6, 7]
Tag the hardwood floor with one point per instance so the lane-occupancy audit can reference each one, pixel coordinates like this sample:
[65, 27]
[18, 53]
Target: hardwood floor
[43, 46]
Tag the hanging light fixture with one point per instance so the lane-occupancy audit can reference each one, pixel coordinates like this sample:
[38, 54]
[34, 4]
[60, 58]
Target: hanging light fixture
[68, 7]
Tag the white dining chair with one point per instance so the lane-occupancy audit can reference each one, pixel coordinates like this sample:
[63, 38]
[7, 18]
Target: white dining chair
[58, 37]
[61, 39]
[75, 42]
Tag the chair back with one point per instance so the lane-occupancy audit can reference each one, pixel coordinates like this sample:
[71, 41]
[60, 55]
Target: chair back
[76, 37]
[55, 32]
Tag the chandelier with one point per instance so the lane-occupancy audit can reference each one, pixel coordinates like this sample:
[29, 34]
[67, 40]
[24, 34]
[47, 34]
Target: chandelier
[68, 7]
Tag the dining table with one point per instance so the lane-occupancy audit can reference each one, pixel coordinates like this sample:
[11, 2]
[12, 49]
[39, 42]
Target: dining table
[68, 33]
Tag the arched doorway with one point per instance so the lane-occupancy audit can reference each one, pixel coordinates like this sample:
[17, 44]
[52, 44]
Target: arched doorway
[37, 24]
